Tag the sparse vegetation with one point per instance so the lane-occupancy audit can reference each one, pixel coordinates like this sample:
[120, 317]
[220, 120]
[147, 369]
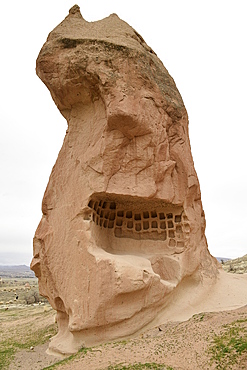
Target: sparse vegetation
[68, 359]
[14, 291]
[225, 350]
[139, 366]
[199, 316]
[228, 347]
[202, 339]
[237, 265]
[6, 356]
[22, 336]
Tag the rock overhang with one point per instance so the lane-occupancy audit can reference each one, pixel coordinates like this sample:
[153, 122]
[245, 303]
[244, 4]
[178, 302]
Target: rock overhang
[114, 45]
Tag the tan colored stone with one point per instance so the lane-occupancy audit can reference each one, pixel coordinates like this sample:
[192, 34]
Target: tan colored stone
[122, 221]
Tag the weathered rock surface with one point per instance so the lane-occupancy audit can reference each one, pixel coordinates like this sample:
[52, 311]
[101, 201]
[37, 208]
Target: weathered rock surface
[123, 222]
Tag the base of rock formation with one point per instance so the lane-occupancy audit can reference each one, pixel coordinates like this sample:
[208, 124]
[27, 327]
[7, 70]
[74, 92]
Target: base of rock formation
[193, 296]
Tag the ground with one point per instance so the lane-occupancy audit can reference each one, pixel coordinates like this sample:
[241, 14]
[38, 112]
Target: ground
[212, 340]
[206, 341]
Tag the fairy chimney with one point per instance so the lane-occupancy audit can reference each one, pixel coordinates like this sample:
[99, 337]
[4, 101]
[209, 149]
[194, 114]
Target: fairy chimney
[123, 222]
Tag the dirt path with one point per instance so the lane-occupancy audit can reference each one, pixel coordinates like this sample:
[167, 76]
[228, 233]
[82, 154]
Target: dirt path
[180, 345]
[32, 359]
[24, 335]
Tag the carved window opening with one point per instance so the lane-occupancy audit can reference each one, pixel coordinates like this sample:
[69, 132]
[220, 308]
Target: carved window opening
[145, 225]
[140, 223]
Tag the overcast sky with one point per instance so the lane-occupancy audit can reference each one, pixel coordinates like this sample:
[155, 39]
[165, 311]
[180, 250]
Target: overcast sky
[203, 46]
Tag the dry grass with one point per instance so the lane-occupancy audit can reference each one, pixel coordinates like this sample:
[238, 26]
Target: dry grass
[237, 265]
[206, 341]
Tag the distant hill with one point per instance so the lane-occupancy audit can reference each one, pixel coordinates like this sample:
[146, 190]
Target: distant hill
[21, 271]
[237, 265]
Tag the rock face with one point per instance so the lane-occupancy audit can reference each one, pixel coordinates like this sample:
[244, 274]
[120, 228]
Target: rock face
[122, 221]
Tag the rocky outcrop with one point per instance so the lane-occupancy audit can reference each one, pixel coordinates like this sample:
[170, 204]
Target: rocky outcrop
[237, 265]
[123, 222]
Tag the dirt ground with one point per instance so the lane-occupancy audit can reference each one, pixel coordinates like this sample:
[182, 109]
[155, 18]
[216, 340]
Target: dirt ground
[206, 341]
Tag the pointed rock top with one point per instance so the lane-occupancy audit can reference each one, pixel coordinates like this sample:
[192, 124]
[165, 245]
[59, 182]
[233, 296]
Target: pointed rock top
[75, 9]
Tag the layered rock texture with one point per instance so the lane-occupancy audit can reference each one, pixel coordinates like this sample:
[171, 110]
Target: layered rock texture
[123, 223]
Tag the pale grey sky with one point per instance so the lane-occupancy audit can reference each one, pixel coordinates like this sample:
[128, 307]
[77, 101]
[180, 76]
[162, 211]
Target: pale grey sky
[203, 46]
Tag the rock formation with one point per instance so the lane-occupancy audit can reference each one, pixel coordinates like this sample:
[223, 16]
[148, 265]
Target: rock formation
[123, 223]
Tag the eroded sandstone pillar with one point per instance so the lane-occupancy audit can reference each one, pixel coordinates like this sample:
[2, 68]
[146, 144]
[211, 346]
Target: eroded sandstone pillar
[123, 222]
